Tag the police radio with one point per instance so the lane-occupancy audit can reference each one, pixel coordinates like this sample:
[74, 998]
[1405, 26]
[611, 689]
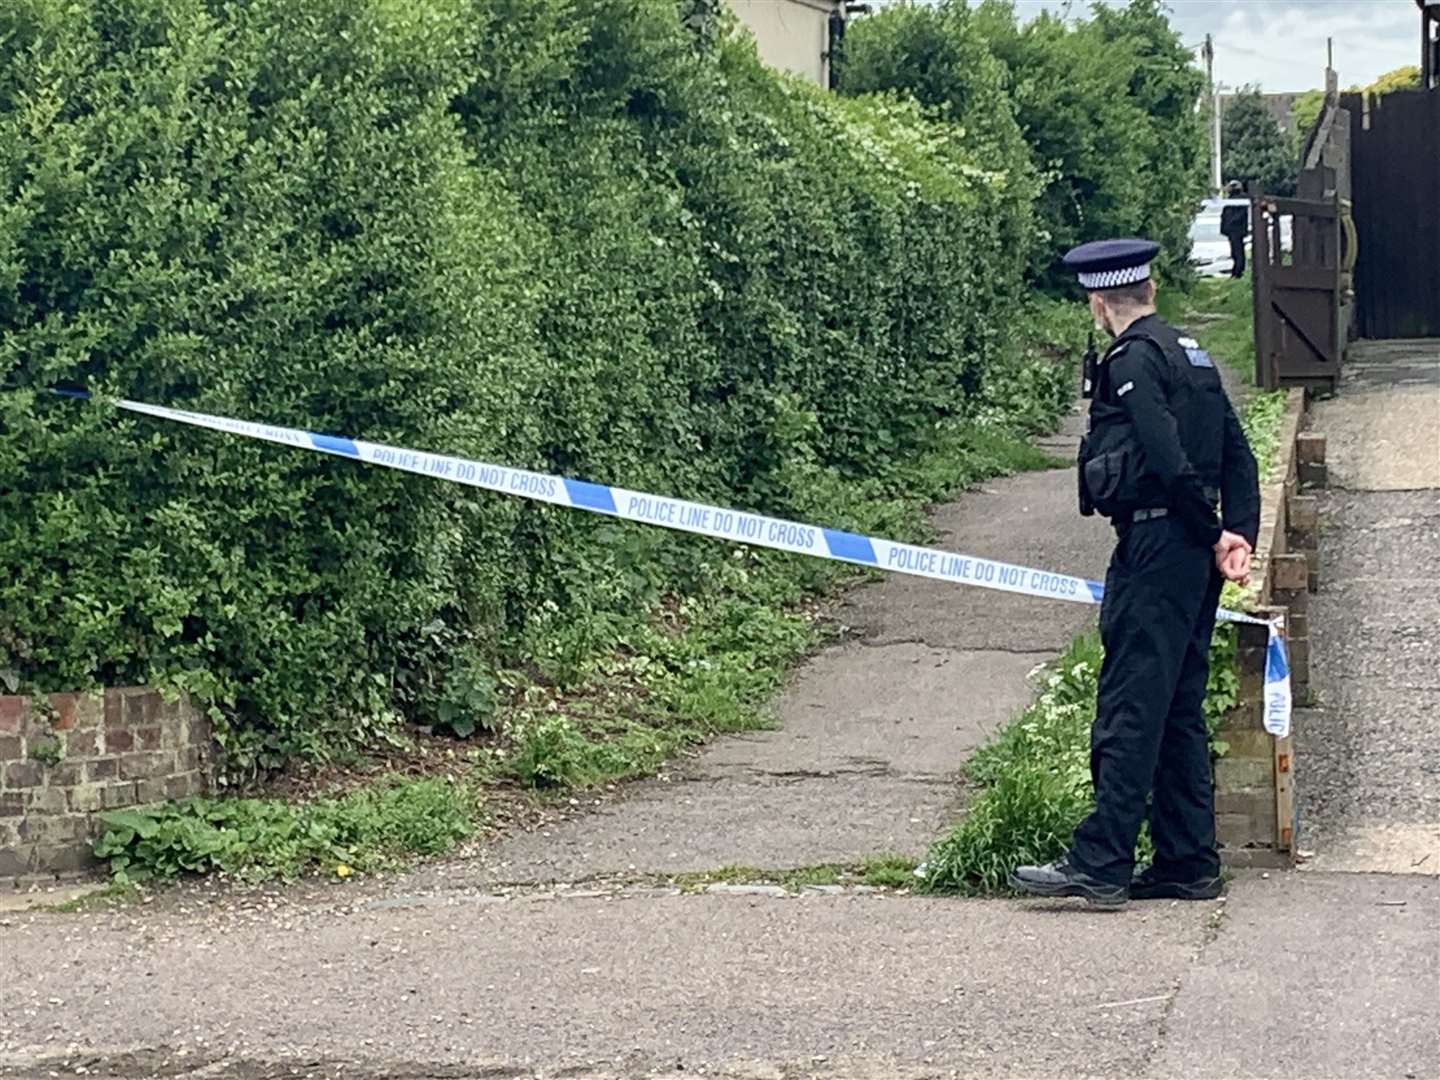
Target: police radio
[1087, 388]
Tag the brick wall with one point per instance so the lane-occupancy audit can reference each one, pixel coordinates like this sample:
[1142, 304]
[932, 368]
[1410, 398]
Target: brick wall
[1254, 782]
[66, 757]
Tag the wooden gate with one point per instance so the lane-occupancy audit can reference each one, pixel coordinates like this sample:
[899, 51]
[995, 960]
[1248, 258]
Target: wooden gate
[1395, 162]
[1299, 339]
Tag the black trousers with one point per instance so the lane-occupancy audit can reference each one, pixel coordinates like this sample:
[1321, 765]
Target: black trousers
[1237, 255]
[1149, 737]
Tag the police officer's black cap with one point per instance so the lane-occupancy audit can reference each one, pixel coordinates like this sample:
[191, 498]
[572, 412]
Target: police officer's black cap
[1107, 264]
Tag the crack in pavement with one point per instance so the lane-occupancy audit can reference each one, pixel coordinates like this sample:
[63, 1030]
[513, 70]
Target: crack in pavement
[167, 1064]
[170, 1064]
[1208, 935]
[875, 642]
[767, 884]
[730, 774]
[1422, 489]
[877, 770]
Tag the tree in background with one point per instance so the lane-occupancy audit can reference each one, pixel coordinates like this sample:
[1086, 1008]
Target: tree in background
[1306, 112]
[1073, 104]
[940, 56]
[1166, 85]
[1255, 150]
[1402, 78]
[1308, 105]
[1106, 108]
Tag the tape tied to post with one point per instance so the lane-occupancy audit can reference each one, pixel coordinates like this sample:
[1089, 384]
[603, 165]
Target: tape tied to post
[723, 524]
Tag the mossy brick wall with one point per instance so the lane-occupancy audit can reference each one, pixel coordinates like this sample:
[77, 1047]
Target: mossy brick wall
[1247, 805]
[64, 758]
[1254, 782]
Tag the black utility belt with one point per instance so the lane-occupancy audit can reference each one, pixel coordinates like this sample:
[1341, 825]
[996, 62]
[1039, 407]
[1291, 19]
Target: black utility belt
[1154, 513]
[1111, 483]
[1150, 514]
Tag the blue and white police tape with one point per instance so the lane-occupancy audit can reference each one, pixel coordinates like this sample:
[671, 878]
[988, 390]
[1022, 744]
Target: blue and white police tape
[736, 525]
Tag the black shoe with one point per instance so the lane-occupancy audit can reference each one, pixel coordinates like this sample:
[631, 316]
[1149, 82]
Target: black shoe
[1061, 879]
[1146, 886]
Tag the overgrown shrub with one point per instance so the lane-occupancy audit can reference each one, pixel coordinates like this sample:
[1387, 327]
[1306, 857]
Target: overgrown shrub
[1106, 107]
[256, 839]
[577, 235]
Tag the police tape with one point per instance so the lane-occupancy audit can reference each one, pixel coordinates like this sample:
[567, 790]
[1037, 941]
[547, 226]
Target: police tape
[722, 524]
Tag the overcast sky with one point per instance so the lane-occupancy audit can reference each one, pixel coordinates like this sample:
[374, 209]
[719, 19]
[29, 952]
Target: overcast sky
[1280, 44]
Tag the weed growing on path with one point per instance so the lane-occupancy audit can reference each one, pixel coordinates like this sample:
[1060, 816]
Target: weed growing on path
[892, 871]
[889, 871]
[112, 894]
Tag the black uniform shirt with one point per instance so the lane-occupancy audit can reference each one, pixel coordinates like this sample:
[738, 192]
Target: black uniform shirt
[1235, 221]
[1190, 439]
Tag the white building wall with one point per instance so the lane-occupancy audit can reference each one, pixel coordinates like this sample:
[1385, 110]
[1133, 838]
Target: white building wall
[792, 35]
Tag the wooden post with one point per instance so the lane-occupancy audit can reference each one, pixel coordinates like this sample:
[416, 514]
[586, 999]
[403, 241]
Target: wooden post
[1302, 522]
[1285, 797]
[1290, 587]
[1334, 232]
[1310, 459]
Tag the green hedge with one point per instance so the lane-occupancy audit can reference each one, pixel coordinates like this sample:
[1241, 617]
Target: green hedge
[575, 235]
[1106, 107]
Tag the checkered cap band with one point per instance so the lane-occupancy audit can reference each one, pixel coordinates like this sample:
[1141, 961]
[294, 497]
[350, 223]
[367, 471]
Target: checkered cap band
[1108, 279]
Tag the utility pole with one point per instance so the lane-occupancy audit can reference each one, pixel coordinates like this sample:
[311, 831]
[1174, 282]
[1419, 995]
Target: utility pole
[1430, 45]
[1216, 174]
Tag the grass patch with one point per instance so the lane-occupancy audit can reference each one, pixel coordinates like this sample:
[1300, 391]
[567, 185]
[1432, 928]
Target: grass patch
[113, 894]
[1220, 313]
[258, 839]
[1034, 777]
[1264, 413]
[699, 881]
[890, 871]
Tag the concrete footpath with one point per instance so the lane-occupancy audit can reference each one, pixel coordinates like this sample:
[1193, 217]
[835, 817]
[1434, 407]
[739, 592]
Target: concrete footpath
[564, 953]
[1369, 754]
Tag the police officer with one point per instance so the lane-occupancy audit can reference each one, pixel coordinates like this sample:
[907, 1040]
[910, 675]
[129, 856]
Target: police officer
[1235, 226]
[1164, 448]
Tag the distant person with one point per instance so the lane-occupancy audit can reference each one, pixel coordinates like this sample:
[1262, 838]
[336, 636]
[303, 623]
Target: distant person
[1235, 226]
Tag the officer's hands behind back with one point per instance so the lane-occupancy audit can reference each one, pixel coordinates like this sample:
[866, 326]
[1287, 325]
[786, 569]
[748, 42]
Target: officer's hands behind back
[1232, 556]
